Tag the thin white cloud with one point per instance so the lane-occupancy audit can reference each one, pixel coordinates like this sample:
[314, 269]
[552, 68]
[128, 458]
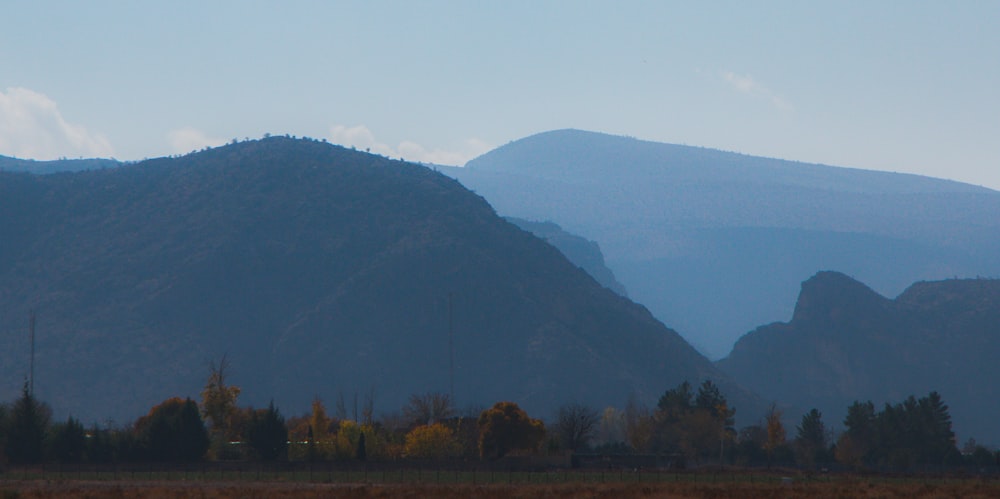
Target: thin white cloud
[748, 85]
[743, 83]
[360, 137]
[31, 126]
[187, 139]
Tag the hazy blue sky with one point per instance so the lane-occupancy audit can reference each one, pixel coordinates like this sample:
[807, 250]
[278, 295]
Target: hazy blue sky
[892, 85]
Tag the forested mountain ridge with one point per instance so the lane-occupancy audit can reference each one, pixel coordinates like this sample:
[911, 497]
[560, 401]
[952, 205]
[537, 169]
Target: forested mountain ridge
[316, 270]
[9, 164]
[686, 229]
[845, 343]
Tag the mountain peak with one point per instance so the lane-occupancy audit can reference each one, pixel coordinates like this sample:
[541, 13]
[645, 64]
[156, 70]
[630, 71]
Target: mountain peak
[848, 343]
[829, 295]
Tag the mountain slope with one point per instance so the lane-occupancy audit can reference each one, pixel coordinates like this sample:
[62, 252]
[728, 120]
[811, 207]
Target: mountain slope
[317, 270]
[686, 229]
[584, 253]
[845, 342]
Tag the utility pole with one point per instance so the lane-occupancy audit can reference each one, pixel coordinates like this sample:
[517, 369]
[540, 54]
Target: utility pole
[31, 372]
[451, 351]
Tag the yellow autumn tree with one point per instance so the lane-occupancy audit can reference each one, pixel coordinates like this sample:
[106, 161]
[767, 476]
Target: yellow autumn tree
[218, 407]
[434, 441]
[348, 435]
[775, 433]
[320, 443]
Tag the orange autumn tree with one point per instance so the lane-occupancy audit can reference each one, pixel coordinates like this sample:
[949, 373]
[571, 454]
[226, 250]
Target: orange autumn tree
[505, 427]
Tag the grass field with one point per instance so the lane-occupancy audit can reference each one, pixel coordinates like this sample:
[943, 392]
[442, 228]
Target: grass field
[209, 489]
[419, 484]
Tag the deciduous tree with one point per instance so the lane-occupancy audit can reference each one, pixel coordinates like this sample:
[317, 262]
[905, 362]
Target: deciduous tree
[575, 426]
[218, 404]
[428, 409]
[639, 424]
[505, 427]
[434, 441]
[775, 433]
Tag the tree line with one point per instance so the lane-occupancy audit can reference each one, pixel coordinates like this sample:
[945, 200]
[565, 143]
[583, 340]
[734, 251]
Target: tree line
[690, 425]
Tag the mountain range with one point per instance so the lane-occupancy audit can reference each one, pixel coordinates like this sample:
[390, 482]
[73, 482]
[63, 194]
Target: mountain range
[716, 243]
[315, 270]
[847, 343]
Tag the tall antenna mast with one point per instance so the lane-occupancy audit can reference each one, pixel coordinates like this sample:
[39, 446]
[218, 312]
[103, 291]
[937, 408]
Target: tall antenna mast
[31, 374]
[451, 351]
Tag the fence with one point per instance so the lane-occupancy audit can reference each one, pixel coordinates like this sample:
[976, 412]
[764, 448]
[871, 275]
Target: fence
[408, 473]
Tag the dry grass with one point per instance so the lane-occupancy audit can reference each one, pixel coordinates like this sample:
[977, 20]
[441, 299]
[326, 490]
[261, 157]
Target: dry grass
[180, 489]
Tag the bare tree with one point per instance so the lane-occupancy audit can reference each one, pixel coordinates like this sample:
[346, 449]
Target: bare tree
[428, 408]
[576, 425]
[341, 411]
[368, 409]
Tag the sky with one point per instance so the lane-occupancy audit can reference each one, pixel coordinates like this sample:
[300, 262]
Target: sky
[886, 85]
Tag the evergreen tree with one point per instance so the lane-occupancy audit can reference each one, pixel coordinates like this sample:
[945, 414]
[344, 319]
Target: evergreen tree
[28, 423]
[172, 431]
[856, 446]
[860, 419]
[913, 432]
[268, 434]
[4, 424]
[68, 442]
[709, 397]
[100, 448]
[938, 438]
[676, 401]
[810, 440]
[362, 452]
[698, 426]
